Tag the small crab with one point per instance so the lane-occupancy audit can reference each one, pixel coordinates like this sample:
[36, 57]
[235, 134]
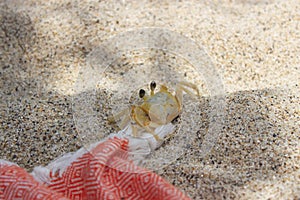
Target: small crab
[159, 108]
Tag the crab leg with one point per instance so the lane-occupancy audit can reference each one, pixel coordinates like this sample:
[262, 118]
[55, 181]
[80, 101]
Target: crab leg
[118, 116]
[157, 138]
[125, 121]
[181, 86]
[189, 85]
[149, 130]
[134, 130]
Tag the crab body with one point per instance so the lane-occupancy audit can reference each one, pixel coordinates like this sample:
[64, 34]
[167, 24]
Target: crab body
[158, 108]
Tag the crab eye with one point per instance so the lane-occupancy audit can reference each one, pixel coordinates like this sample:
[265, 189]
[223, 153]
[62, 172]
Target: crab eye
[142, 93]
[152, 85]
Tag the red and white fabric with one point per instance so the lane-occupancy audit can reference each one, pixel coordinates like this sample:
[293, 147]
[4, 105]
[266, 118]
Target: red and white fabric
[104, 171]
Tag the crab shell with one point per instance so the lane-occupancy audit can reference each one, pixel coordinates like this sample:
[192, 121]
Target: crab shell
[158, 109]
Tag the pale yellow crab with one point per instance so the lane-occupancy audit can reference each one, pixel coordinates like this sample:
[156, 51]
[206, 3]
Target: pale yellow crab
[158, 108]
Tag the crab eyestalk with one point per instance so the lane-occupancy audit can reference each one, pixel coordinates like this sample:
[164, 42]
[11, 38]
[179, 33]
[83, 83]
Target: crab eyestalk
[142, 93]
[152, 87]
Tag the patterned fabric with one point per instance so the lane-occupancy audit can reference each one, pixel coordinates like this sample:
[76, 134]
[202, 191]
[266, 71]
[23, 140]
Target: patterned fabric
[16, 183]
[102, 173]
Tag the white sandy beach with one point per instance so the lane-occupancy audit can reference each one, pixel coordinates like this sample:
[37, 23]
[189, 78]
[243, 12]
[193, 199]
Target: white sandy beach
[253, 46]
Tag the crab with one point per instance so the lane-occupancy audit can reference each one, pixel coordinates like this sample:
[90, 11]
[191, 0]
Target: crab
[159, 108]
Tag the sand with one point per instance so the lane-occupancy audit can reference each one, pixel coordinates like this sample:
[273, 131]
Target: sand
[46, 107]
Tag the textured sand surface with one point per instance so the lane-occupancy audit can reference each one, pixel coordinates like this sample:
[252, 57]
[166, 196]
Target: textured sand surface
[254, 45]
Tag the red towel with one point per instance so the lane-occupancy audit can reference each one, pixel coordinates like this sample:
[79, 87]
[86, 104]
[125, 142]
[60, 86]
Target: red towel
[101, 173]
